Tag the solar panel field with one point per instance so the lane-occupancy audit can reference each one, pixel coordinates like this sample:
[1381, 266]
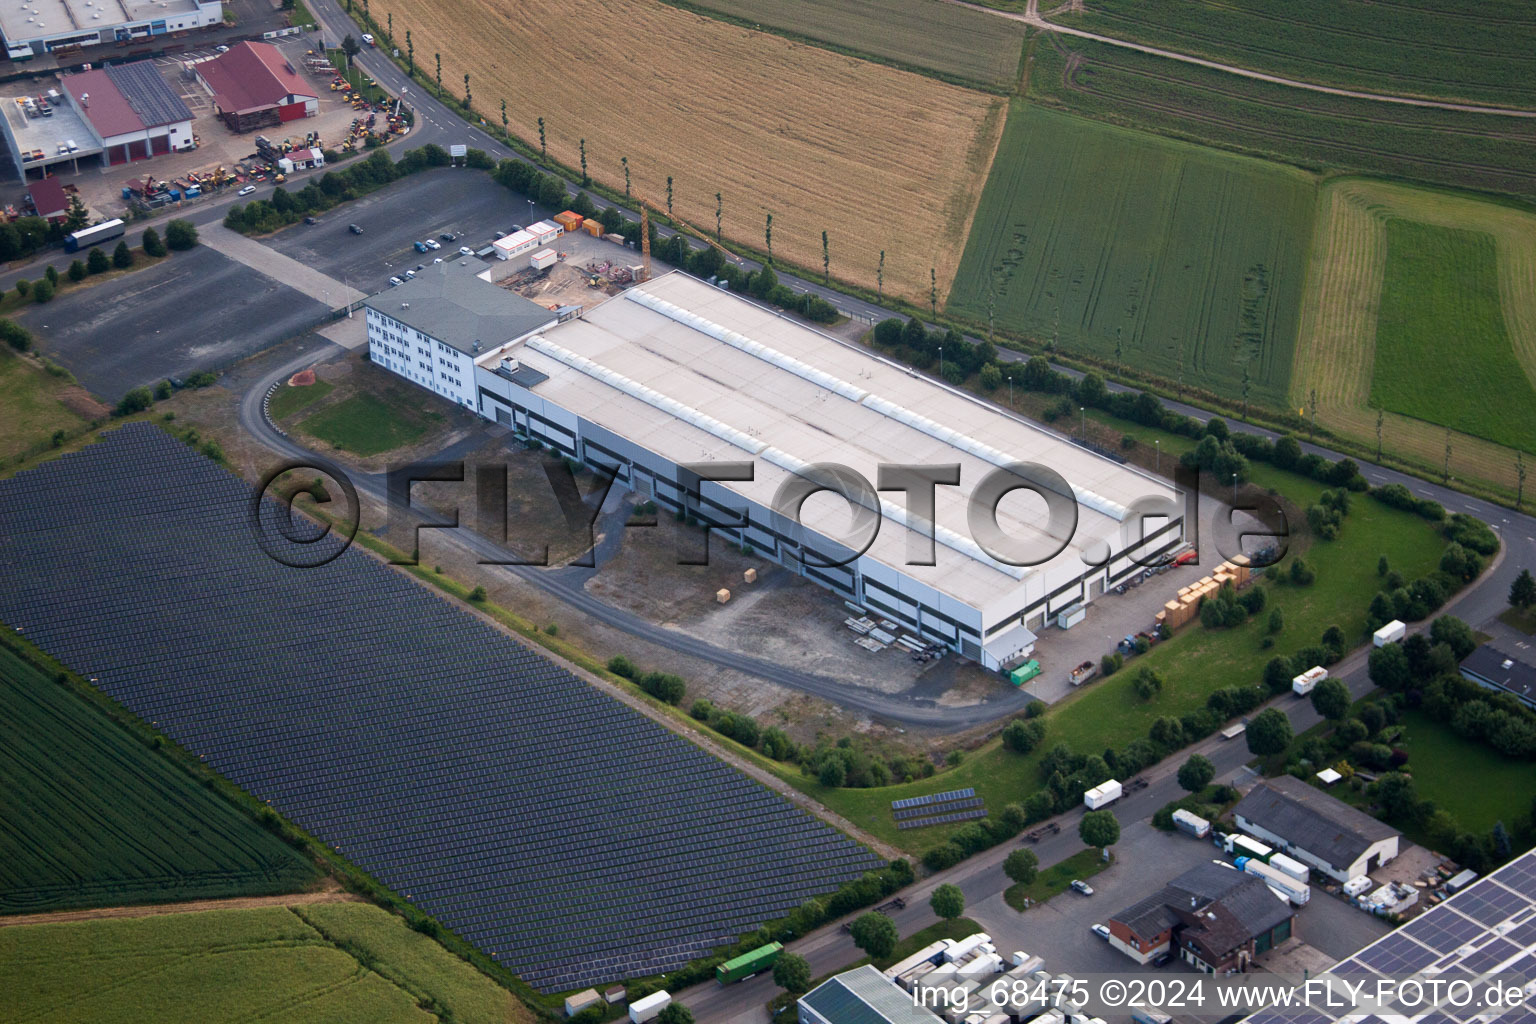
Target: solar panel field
[341, 962]
[93, 817]
[1155, 255]
[496, 790]
[1467, 52]
[954, 42]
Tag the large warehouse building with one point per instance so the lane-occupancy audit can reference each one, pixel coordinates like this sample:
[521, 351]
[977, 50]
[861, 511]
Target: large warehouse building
[678, 373]
[47, 26]
[119, 114]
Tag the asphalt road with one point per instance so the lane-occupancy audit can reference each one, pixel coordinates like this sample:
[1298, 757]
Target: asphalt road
[142, 327]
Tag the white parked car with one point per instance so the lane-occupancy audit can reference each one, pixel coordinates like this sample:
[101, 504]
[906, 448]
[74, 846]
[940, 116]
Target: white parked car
[410, 274]
[433, 243]
[438, 260]
[246, 191]
[465, 250]
[1082, 887]
[1101, 931]
[395, 281]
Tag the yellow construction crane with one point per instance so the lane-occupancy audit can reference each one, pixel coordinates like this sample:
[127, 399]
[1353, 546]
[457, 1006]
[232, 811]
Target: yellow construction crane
[645, 238]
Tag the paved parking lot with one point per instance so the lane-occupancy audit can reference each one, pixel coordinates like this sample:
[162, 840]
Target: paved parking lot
[463, 201]
[1145, 860]
[196, 310]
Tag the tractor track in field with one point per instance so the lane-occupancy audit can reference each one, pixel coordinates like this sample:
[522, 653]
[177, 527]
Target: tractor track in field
[331, 894]
[1034, 19]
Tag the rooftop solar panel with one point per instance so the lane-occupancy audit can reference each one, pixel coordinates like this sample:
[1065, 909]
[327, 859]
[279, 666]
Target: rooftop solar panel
[1487, 927]
[538, 818]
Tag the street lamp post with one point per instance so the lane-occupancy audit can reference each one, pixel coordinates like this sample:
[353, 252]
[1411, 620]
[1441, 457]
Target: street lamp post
[530, 211]
[941, 360]
[1010, 391]
[1234, 490]
[1159, 443]
[1084, 429]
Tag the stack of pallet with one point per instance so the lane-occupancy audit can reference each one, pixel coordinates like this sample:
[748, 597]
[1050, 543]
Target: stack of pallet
[1187, 605]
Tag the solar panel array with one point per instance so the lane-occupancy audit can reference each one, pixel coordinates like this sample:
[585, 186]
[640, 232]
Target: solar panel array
[1487, 928]
[938, 809]
[943, 819]
[953, 805]
[568, 835]
[932, 798]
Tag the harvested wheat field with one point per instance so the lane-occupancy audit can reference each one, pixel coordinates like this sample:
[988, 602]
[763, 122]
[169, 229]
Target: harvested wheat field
[877, 158]
[1336, 350]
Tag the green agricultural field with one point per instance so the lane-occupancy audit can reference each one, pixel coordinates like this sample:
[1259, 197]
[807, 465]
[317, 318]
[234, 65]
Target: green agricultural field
[1312, 130]
[94, 817]
[1156, 255]
[340, 962]
[1475, 53]
[366, 424]
[955, 43]
[288, 399]
[1441, 310]
[1194, 663]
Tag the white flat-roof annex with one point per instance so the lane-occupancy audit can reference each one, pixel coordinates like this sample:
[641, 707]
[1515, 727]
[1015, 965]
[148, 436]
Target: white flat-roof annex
[698, 374]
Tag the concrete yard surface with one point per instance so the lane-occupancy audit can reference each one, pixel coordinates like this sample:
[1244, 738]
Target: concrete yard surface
[279, 267]
[142, 327]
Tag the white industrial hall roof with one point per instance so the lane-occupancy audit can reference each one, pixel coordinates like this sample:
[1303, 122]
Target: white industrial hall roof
[698, 374]
[38, 19]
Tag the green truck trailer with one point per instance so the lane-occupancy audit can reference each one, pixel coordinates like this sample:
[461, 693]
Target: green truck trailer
[748, 964]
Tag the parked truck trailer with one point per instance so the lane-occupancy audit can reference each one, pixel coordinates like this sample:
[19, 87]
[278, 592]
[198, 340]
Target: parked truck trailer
[748, 964]
[1297, 892]
[1103, 795]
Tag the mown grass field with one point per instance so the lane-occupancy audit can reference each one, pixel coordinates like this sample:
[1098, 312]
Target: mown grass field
[1440, 306]
[1313, 130]
[1478, 785]
[365, 424]
[1478, 53]
[31, 408]
[93, 817]
[1056, 879]
[878, 158]
[1336, 353]
[342, 963]
[1194, 663]
[926, 34]
[1188, 261]
[288, 399]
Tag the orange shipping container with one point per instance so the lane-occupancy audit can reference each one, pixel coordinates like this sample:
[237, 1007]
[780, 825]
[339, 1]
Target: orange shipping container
[568, 220]
[593, 228]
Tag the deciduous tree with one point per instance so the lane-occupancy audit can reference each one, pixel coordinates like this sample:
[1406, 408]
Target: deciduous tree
[1196, 773]
[875, 934]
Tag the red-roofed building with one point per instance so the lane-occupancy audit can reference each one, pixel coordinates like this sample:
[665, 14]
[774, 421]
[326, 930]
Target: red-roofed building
[254, 85]
[134, 114]
[49, 199]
